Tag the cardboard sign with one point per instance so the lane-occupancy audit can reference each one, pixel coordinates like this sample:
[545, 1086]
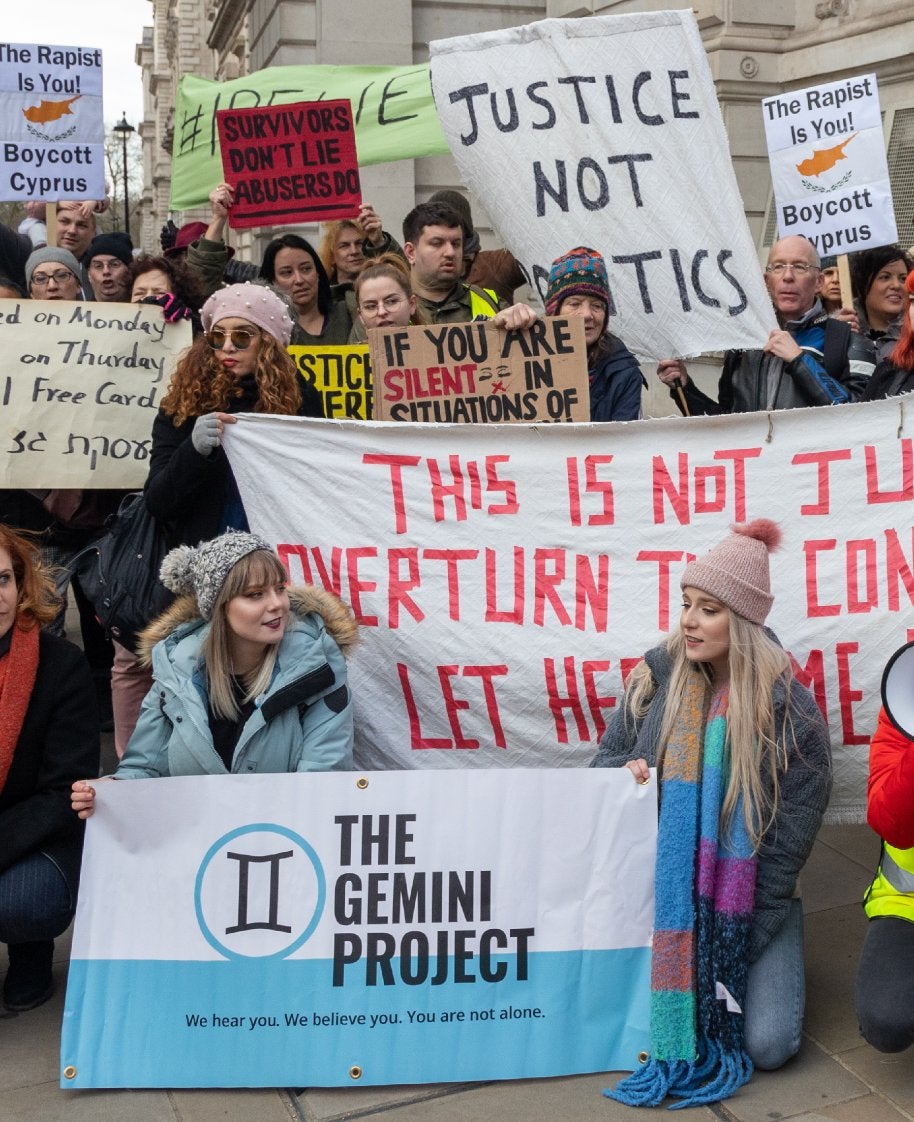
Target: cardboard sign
[278, 930]
[606, 131]
[476, 372]
[52, 133]
[507, 578]
[79, 389]
[341, 375]
[828, 165]
[290, 163]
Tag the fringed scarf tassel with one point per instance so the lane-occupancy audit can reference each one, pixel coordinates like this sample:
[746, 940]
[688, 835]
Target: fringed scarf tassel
[715, 1075]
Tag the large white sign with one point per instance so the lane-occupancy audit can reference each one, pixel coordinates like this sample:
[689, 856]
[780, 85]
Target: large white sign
[828, 165]
[508, 577]
[80, 387]
[331, 930]
[52, 132]
[606, 132]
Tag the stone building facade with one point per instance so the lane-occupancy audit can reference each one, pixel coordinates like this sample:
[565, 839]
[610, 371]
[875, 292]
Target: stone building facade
[755, 50]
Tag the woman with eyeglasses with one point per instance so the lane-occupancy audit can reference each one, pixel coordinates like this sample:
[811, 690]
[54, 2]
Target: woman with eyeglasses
[239, 365]
[384, 295]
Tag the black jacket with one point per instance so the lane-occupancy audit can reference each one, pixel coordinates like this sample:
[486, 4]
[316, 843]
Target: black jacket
[888, 380]
[188, 492]
[58, 743]
[822, 375]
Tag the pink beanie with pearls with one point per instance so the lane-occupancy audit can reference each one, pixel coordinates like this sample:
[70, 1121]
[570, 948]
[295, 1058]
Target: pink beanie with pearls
[254, 302]
[736, 571]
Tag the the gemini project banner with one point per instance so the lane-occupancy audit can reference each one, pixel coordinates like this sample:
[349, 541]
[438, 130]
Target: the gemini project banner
[607, 131]
[508, 577]
[345, 929]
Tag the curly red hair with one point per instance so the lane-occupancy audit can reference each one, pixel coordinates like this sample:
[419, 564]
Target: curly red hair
[201, 384]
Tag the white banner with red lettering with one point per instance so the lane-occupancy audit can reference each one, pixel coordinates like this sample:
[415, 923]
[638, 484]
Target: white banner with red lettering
[508, 577]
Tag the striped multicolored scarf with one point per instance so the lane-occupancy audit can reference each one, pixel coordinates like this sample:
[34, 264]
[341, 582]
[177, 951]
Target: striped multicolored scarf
[705, 892]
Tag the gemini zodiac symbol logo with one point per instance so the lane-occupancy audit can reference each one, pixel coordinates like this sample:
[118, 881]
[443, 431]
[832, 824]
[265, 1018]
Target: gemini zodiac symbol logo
[260, 892]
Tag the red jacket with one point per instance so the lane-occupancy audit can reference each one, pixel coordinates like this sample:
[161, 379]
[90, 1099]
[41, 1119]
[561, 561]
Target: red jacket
[890, 791]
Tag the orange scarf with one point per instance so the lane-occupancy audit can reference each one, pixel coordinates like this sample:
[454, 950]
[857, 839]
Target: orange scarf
[17, 679]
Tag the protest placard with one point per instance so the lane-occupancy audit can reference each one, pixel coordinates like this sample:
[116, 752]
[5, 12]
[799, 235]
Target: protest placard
[326, 929]
[79, 390]
[507, 578]
[828, 165]
[290, 163]
[52, 132]
[341, 375]
[609, 131]
[606, 132]
[476, 372]
[392, 107]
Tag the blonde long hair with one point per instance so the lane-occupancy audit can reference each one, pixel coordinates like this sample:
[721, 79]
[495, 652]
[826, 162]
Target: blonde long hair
[257, 569]
[759, 747]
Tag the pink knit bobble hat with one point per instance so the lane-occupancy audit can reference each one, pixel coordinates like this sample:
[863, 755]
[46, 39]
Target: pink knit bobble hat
[736, 571]
[254, 302]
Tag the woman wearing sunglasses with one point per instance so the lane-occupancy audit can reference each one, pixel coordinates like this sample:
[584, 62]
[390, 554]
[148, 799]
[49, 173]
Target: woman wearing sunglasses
[239, 365]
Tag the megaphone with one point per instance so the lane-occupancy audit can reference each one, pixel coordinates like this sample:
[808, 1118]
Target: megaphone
[898, 690]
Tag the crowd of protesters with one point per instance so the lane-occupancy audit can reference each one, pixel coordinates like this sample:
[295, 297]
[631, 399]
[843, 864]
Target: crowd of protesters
[721, 683]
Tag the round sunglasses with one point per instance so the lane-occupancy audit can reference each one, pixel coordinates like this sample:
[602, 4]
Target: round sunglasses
[241, 337]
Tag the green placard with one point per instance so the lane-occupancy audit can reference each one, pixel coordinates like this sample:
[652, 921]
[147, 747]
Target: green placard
[393, 108]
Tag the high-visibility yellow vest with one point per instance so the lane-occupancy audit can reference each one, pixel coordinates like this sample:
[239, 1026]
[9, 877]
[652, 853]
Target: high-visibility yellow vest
[479, 305]
[892, 892]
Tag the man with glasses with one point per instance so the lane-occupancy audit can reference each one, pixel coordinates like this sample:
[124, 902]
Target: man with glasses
[108, 263]
[806, 360]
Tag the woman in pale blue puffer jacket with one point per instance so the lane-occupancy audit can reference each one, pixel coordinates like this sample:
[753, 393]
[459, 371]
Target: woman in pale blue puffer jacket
[248, 675]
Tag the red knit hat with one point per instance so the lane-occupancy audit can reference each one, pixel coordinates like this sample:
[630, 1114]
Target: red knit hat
[736, 571]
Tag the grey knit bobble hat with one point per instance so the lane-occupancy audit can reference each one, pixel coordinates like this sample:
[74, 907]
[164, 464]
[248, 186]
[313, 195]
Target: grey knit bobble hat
[254, 302]
[51, 255]
[203, 570]
[735, 572]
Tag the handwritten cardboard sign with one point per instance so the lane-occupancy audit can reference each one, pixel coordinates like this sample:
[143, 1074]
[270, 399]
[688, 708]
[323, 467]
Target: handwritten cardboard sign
[476, 372]
[341, 375]
[290, 163]
[828, 165]
[52, 132]
[79, 390]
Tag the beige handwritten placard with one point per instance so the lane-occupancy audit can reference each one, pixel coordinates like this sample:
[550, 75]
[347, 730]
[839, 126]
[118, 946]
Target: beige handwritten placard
[80, 386]
[480, 373]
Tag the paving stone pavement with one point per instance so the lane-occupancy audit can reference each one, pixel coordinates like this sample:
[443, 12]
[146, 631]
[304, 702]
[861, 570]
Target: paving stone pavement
[836, 1077]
